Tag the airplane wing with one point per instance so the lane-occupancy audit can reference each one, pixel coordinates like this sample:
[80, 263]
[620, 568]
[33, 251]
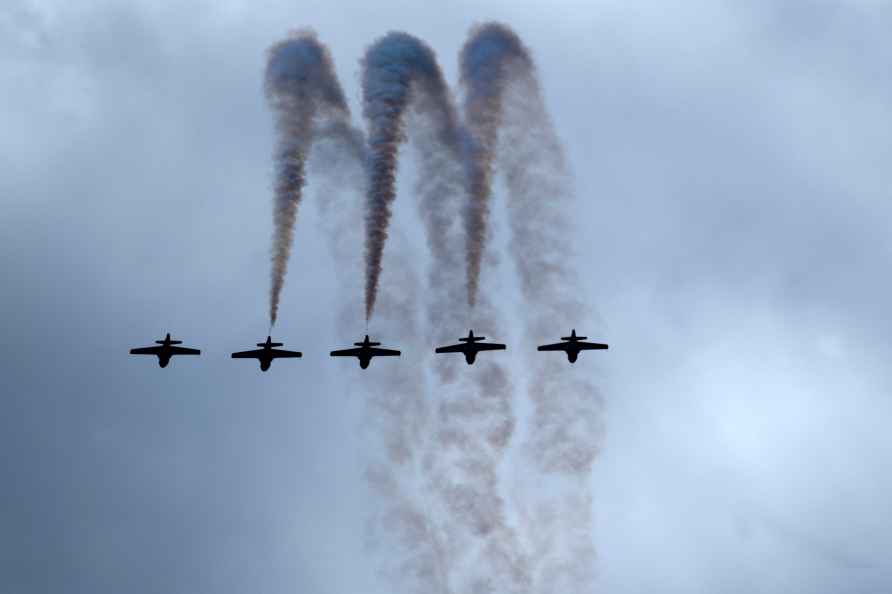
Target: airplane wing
[591, 346]
[146, 351]
[452, 348]
[255, 354]
[175, 350]
[489, 346]
[346, 353]
[384, 352]
[559, 346]
[283, 354]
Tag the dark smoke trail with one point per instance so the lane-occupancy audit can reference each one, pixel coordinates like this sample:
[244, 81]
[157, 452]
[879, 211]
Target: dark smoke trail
[487, 60]
[463, 542]
[436, 462]
[395, 68]
[300, 86]
[397, 410]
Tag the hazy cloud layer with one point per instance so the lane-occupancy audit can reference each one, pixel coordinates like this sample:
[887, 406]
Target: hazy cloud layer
[730, 219]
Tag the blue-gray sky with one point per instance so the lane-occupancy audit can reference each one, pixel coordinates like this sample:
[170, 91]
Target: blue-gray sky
[730, 181]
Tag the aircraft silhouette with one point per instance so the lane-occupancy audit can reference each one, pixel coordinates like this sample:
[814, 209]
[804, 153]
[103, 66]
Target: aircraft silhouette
[470, 346]
[266, 354]
[572, 346]
[365, 352]
[165, 351]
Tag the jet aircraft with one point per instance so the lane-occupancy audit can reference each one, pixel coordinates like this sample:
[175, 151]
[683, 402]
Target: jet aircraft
[365, 352]
[267, 353]
[165, 351]
[572, 346]
[470, 346]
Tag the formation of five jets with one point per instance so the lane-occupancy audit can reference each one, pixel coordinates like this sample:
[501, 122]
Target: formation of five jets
[469, 346]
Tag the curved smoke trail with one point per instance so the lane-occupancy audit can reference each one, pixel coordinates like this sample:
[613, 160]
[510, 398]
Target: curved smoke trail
[564, 437]
[300, 86]
[453, 524]
[461, 541]
[394, 393]
[473, 420]
[395, 69]
[487, 60]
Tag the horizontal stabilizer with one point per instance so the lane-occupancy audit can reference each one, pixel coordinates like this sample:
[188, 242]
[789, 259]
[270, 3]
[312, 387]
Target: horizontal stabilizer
[573, 337]
[270, 344]
[171, 342]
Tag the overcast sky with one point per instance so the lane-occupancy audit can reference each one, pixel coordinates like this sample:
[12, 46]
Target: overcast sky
[731, 181]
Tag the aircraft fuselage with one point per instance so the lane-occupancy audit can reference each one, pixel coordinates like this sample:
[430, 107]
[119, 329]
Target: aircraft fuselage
[469, 346]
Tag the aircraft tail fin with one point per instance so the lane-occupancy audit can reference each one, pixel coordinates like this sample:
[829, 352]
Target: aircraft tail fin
[167, 340]
[269, 343]
[573, 336]
[471, 338]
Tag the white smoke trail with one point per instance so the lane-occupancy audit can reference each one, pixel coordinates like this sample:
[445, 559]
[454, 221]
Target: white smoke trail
[438, 470]
[473, 419]
[565, 432]
[393, 389]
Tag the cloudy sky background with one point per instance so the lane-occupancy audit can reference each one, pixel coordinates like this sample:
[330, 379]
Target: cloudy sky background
[730, 168]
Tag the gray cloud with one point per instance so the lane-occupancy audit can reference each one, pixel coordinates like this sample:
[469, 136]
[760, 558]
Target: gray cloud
[729, 216]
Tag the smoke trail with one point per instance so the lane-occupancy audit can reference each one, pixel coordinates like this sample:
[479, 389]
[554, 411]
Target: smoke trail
[395, 68]
[564, 436]
[469, 544]
[473, 420]
[474, 424]
[461, 542]
[300, 86]
[393, 390]
[487, 60]
[395, 393]
[437, 469]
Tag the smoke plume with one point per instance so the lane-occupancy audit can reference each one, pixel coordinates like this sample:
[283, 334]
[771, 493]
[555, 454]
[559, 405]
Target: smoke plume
[473, 419]
[395, 69]
[438, 444]
[394, 391]
[564, 437]
[488, 59]
[300, 86]
[337, 159]
[463, 542]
